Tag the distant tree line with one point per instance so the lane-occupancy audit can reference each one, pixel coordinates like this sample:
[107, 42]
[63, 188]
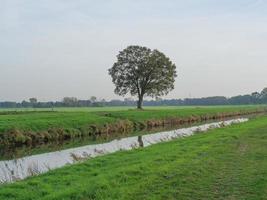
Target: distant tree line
[254, 98]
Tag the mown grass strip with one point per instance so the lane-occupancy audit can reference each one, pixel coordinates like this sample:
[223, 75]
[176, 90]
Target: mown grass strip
[228, 163]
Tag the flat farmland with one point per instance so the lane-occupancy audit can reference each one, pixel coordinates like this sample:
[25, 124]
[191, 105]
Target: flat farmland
[42, 119]
[227, 163]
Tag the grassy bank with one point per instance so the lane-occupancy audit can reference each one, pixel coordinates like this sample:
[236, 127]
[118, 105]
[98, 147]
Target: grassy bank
[228, 163]
[34, 127]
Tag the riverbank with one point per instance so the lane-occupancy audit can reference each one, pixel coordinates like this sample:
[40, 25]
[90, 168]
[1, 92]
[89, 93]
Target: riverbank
[40, 127]
[18, 169]
[227, 163]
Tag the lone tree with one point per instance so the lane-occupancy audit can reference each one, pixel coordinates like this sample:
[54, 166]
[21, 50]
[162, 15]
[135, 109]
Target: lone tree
[141, 71]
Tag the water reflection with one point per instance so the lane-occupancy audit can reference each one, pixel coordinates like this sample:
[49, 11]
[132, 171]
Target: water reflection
[17, 169]
[15, 152]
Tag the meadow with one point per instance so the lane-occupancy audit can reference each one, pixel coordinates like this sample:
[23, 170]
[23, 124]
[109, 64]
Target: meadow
[31, 126]
[226, 163]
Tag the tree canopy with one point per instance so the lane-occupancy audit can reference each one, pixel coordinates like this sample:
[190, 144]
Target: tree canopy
[141, 71]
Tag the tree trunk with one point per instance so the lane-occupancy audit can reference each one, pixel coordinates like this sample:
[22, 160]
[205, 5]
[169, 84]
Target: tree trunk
[140, 102]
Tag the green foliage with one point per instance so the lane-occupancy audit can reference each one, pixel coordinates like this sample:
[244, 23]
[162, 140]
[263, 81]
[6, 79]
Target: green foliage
[227, 163]
[70, 101]
[33, 100]
[141, 71]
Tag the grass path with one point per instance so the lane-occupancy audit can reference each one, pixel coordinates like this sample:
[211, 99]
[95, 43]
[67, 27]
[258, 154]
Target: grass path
[228, 163]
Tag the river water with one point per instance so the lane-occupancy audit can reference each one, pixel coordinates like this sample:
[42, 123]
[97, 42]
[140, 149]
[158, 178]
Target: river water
[18, 169]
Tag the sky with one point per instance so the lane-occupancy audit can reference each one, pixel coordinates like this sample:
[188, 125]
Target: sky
[50, 49]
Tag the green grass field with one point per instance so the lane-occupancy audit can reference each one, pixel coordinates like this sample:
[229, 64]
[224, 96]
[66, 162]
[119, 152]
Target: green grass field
[227, 163]
[34, 127]
[42, 119]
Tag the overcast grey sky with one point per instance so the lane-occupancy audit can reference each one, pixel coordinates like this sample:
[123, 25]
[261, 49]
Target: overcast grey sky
[55, 48]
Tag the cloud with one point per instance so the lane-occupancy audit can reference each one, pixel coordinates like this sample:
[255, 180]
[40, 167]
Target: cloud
[52, 49]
